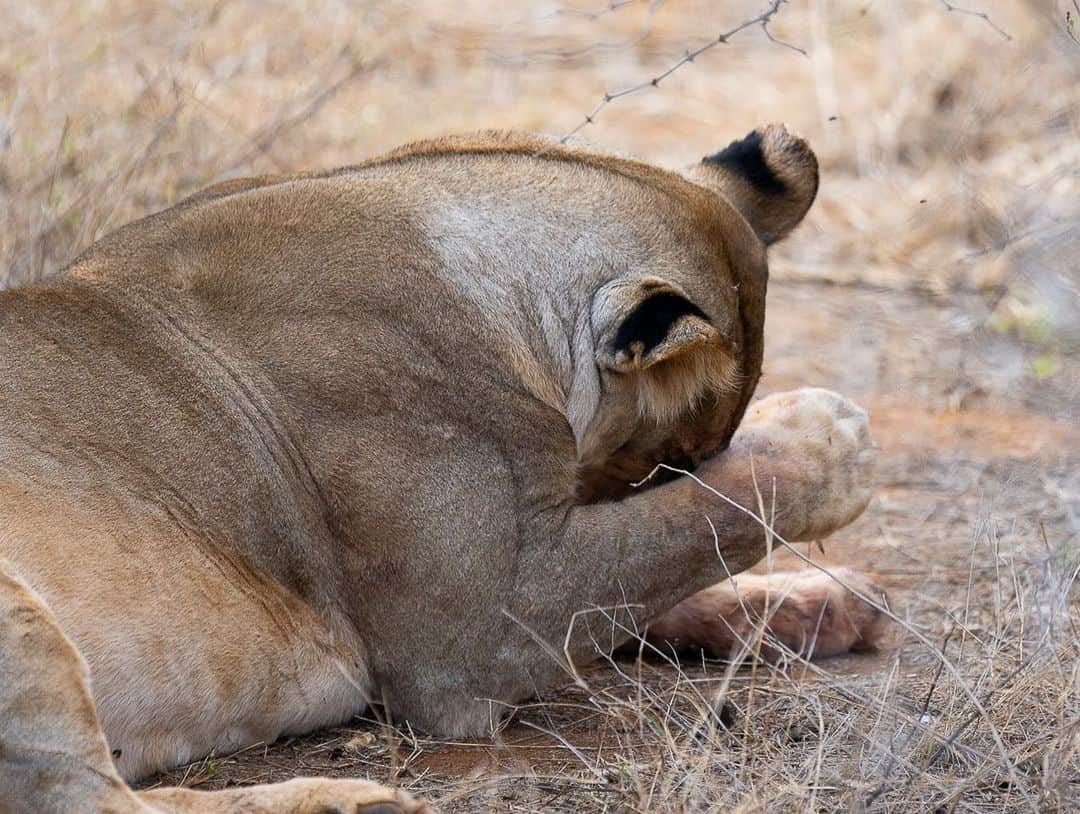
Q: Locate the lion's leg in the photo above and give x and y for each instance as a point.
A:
(805, 612)
(306, 795)
(53, 755)
(811, 450)
(586, 573)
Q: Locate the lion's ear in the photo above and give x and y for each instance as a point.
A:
(771, 177)
(645, 322)
(651, 329)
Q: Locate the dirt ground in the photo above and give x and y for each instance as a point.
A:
(937, 281)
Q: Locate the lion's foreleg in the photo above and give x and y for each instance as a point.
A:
(805, 457)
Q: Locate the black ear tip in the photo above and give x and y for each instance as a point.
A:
(772, 159)
(747, 157)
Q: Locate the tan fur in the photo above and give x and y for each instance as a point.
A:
(793, 164)
(666, 390)
(302, 441)
(55, 758)
(808, 613)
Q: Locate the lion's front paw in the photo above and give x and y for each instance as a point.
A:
(301, 795)
(818, 446)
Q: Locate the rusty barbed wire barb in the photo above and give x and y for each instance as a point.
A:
(980, 14)
(763, 19)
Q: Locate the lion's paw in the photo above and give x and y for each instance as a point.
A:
(302, 795)
(818, 445)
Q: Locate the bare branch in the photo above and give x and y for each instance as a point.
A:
(606, 45)
(980, 14)
(323, 93)
(1071, 22)
(597, 13)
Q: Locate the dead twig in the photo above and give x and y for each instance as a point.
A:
(262, 143)
(982, 15)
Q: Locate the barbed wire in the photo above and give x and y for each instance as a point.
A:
(763, 19)
(691, 54)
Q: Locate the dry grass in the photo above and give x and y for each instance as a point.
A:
(936, 279)
(796, 737)
(900, 733)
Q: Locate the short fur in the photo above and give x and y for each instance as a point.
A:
(302, 441)
(807, 613)
(771, 176)
(675, 386)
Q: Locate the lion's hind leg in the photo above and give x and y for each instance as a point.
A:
(53, 754)
(809, 613)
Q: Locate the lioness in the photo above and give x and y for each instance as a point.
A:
(301, 442)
